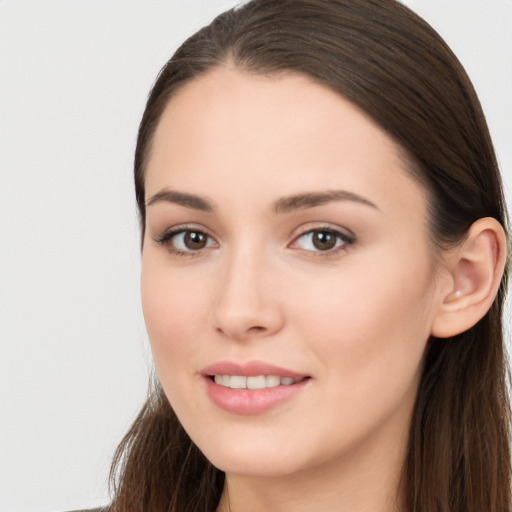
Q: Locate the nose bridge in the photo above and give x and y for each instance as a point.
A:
(246, 303)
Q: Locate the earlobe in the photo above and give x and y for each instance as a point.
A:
(476, 268)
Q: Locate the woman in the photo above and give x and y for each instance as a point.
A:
(324, 249)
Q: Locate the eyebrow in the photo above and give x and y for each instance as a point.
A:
(283, 205)
(181, 198)
(311, 199)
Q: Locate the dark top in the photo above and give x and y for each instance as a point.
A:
(101, 509)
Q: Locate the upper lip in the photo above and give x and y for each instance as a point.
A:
(249, 369)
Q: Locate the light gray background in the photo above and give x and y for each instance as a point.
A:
(74, 358)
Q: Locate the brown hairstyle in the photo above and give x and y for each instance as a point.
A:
(397, 69)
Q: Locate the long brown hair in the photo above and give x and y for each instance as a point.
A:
(397, 69)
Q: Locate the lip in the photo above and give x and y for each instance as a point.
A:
(251, 401)
(250, 369)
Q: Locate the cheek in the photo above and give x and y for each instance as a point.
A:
(368, 335)
(173, 316)
(373, 326)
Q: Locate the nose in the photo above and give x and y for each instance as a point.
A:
(247, 304)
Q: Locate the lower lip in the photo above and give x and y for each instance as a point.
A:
(251, 401)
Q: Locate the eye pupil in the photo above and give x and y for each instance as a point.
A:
(195, 240)
(324, 240)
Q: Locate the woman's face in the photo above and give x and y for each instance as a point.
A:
(285, 242)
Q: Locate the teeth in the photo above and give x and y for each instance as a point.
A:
(238, 382)
(223, 380)
(271, 381)
(257, 382)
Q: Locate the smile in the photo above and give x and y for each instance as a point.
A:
(254, 382)
(252, 388)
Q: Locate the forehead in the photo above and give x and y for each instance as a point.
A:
(289, 105)
(239, 129)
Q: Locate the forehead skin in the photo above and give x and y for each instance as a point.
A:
(226, 92)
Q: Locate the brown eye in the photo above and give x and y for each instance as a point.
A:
(186, 241)
(324, 240)
(195, 240)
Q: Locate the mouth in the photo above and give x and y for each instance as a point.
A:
(254, 381)
(252, 388)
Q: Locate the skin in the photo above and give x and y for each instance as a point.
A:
(355, 319)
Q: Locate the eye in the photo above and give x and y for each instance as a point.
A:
(186, 241)
(322, 240)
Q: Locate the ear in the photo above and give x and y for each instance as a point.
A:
(474, 271)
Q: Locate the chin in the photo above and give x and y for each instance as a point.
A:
(268, 467)
(256, 456)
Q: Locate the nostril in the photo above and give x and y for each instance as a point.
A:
(257, 328)
(240, 322)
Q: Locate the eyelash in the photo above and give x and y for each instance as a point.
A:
(344, 239)
(166, 237)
